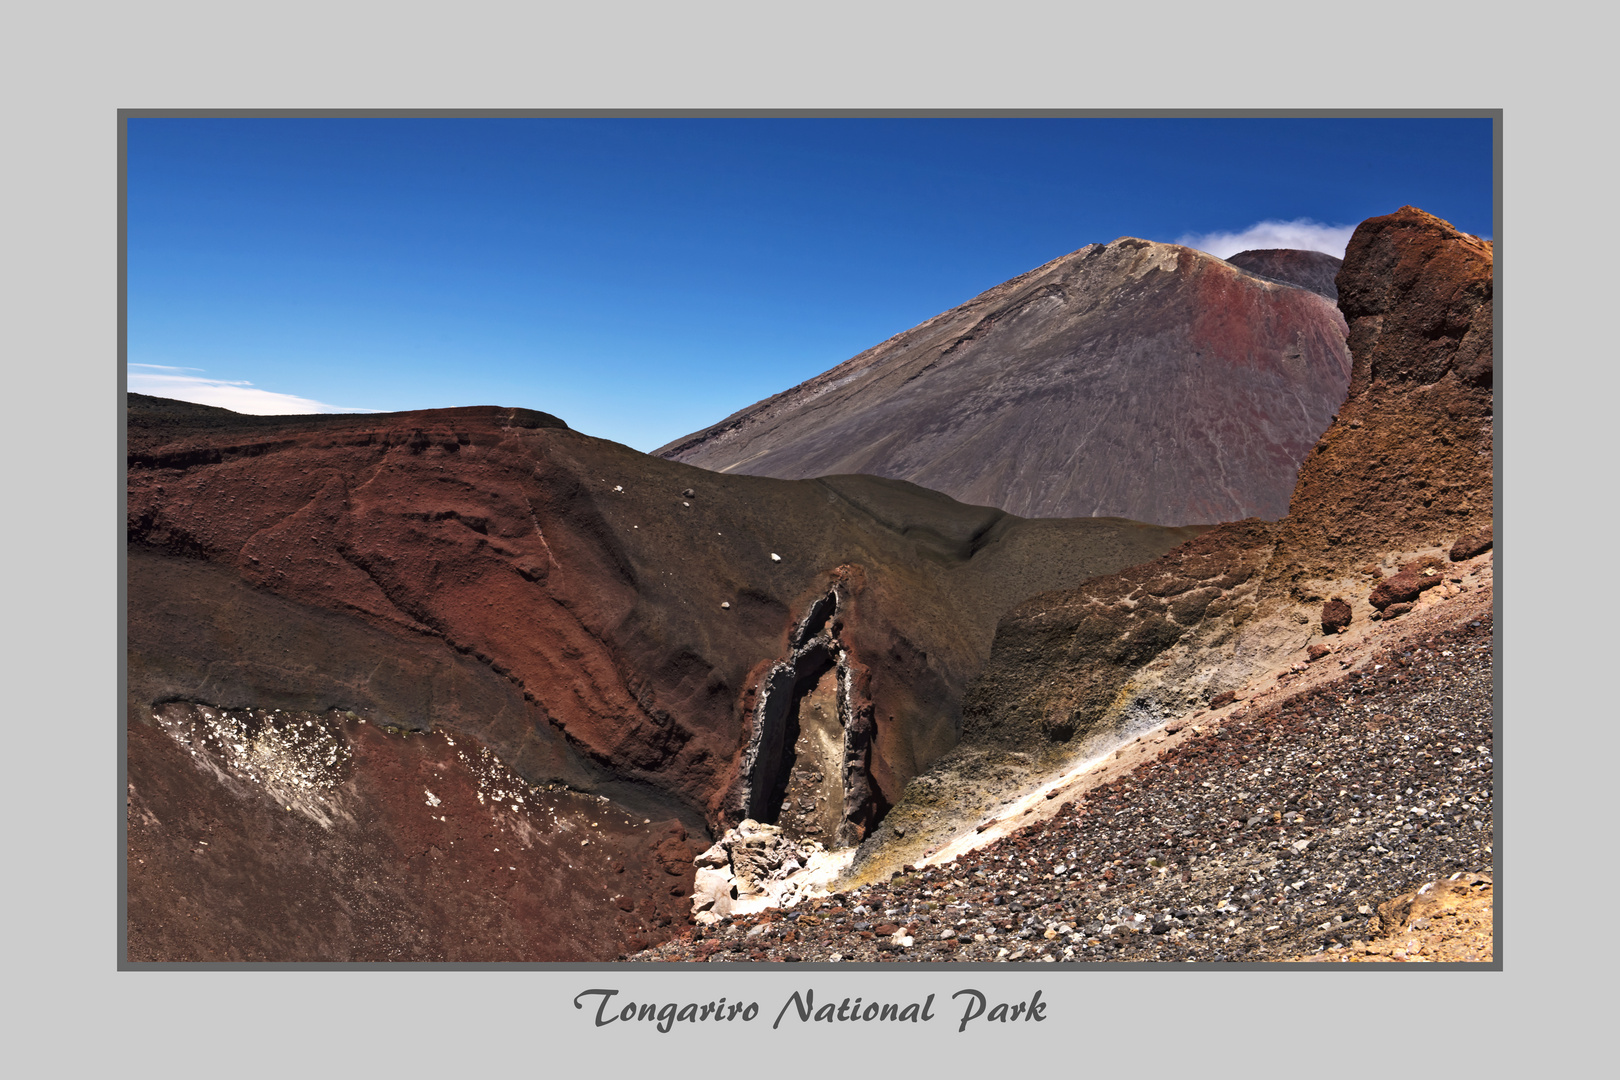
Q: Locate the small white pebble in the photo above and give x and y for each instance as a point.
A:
(775, 557)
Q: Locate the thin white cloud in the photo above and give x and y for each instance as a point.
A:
(237, 395)
(1301, 233)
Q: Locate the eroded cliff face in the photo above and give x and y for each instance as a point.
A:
(1135, 379)
(1401, 476)
(597, 619)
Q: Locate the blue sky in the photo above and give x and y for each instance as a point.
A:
(642, 278)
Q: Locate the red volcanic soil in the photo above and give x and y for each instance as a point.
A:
(1143, 380)
(596, 617)
(408, 847)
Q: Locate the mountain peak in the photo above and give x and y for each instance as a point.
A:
(1131, 379)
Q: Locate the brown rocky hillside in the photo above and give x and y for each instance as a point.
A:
(1264, 744)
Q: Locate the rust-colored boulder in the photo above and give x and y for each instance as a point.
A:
(1396, 589)
(1335, 616)
(1405, 585)
(1467, 547)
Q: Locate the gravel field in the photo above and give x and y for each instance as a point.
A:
(1268, 837)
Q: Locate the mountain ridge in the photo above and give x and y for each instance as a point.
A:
(1030, 395)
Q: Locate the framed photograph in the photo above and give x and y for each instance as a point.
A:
(797, 541)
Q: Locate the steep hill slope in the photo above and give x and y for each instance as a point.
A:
(1349, 820)
(1134, 379)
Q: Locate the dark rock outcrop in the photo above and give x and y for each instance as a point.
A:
(1135, 379)
(1409, 458)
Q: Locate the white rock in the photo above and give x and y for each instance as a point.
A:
(715, 856)
(711, 891)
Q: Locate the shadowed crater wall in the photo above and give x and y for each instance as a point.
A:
(598, 619)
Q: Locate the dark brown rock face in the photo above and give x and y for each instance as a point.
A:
(1469, 546)
(1406, 465)
(1409, 457)
(1133, 379)
(1405, 585)
(1335, 616)
(595, 617)
(1313, 270)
